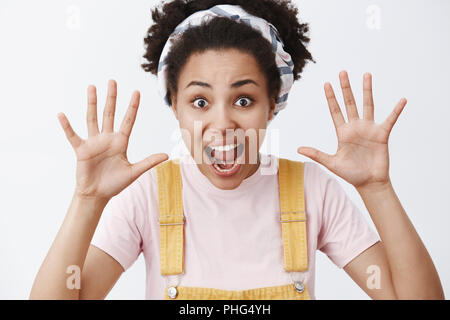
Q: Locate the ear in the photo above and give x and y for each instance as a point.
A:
(272, 109)
(174, 106)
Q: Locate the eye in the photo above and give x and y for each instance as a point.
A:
(245, 103)
(202, 102)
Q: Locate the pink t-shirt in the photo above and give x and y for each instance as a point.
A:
(232, 237)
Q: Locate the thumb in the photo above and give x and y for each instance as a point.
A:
(316, 155)
(139, 168)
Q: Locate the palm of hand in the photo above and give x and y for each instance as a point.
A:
(362, 153)
(103, 169)
(362, 157)
(102, 164)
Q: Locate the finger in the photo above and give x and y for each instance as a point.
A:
(130, 116)
(368, 108)
(335, 110)
(110, 107)
(91, 117)
(73, 138)
(349, 100)
(318, 156)
(388, 124)
(139, 168)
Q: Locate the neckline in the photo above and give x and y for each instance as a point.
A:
(191, 172)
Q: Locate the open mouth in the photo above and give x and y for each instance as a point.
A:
(224, 159)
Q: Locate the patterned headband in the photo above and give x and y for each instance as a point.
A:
(235, 12)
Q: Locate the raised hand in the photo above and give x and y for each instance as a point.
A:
(103, 169)
(362, 158)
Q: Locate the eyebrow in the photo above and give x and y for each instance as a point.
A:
(234, 85)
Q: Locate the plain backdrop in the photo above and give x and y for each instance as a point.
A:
(51, 50)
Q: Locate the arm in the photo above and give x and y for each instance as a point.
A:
(100, 273)
(413, 273)
(371, 272)
(362, 159)
(70, 247)
(103, 171)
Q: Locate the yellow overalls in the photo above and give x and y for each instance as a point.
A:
(293, 229)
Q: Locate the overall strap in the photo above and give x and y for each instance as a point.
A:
(171, 217)
(292, 215)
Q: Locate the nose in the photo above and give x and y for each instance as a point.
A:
(223, 118)
(222, 124)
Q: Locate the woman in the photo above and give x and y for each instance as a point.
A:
(228, 76)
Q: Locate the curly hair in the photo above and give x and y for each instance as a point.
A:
(223, 33)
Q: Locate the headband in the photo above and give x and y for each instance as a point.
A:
(234, 12)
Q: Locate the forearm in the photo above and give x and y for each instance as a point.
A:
(69, 248)
(413, 273)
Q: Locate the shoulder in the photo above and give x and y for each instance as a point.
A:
(323, 185)
(314, 176)
(138, 193)
(323, 192)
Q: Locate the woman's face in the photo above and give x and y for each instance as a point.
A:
(223, 109)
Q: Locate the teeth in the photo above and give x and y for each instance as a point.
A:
(224, 148)
(210, 150)
(224, 170)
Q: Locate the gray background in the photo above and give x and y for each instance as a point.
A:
(52, 50)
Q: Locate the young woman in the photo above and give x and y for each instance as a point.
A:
(226, 67)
